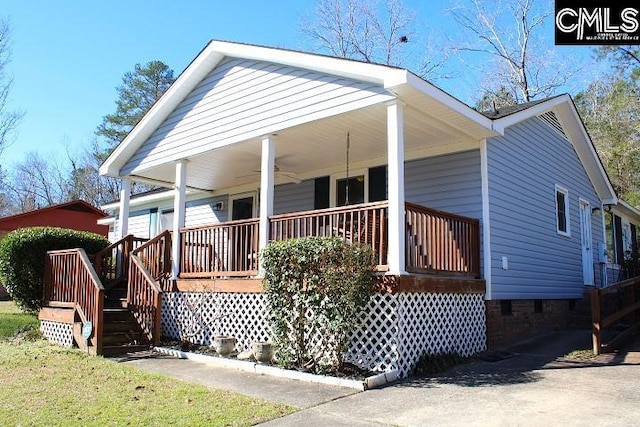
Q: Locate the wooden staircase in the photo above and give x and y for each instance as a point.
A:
(121, 332)
(113, 290)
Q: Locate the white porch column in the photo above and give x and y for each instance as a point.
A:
(267, 182)
(395, 155)
(125, 195)
(179, 203)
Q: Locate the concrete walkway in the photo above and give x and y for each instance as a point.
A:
(533, 386)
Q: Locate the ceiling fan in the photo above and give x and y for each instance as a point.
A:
(286, 176)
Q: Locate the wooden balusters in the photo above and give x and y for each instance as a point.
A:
(441, 242)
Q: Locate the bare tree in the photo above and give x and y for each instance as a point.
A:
(352, 29)
(37, 182)
(520, 63)
(8, 118)
(376, 31)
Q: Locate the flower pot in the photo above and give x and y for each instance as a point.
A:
(224, 345)
(262, 351)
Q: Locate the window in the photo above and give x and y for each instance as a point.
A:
(537, 306)
(166, 220)
(506, 309)
(350, 191)
(242, 207)
(611, 245)
(562, 211)
(153, 222)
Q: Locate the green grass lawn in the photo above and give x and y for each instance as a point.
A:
(12, 319)
(43, 384)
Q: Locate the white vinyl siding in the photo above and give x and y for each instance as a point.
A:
(242, 99)
(523, 168)
(139, 223)
(201, 212)
(450, 183)
(293, 197)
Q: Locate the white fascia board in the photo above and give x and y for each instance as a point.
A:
(189, 79)
(585, 146)
(448, 100)
(140, 200)
(568, 114)
(206, 61)
(156, 197)
(627, 210)
(356, 70)
(107, 221)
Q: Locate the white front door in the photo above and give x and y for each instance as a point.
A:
(586, 242)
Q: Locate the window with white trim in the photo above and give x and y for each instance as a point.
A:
(562, 211)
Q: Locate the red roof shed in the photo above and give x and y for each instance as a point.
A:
(76, 215)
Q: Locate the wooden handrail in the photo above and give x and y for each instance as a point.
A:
(159, 237)
(441, 242)
(364, 223)
(612, 304)
(155, 256)
(348, 208)
(144, 299)
(112, 262)
(71, 278)
(225, 249)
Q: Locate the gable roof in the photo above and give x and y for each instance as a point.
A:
(75, 205)
(512, 109)
(396, 81)
(573, 128)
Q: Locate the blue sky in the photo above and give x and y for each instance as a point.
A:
(69, 56)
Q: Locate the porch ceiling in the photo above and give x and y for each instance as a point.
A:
(313, 147)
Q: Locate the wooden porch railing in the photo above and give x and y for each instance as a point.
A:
(363, 223)
(112, 263)
(70, 278)
(226, 249)
(155, 257)
(441, 242)
(436, 242)
(144, 299)
(615, 306)
(149, 268)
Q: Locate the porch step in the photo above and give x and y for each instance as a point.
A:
(113, 350)
(123, 338)
(116, 298)
(119, 326)
(121, 333)
(114, 314)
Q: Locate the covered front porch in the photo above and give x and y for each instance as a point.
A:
(436, 242)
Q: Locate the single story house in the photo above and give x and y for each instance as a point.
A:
(487, 226)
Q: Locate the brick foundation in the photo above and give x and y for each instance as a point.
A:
(523, 321)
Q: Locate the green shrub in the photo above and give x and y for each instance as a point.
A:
(22, 259)
(314, 286)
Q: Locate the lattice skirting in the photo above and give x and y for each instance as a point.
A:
(60, 333)
(396, 329)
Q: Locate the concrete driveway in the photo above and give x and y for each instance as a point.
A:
(532, 386)
(535, 387)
